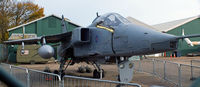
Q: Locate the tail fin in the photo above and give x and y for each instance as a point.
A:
(63, 24)
(187, 39)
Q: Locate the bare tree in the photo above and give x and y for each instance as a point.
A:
(14, 13)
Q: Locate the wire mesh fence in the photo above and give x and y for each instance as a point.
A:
(181, 75)
(147, 66)
(185, 75)
(43, 79)
(20, 73)
(159, 68)
(74, 81)
(6, 67)
(195, 72)
(137, 64)
(171, 72)
(195, 62)
(35, 78)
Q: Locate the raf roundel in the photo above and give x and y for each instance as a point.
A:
(96, 39)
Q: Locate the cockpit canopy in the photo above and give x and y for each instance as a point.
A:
(110, 20)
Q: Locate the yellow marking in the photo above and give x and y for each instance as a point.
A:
(108, 29)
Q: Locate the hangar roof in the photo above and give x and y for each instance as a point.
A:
(41, 19)
(164, 27)
(135, 21)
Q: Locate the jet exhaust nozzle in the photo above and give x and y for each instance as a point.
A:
(46, 51)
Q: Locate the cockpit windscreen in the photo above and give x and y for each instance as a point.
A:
(111, 19)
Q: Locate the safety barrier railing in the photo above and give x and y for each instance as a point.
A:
(195, 62)
(44, 79)
(21, 74)
(35, 78)
(181, 75)
(74, 81)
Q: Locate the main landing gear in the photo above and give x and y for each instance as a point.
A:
(61, 71)
(98, 72)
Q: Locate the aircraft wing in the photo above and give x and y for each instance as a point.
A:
(49, 39)
(188, 36)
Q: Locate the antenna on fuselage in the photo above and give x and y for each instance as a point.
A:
(97, 14)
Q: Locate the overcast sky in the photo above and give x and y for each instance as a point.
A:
(151, 12)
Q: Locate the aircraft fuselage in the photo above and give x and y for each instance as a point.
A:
(125, 40)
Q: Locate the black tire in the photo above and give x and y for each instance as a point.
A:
(118, 78)
(55, 72)
(96, 74)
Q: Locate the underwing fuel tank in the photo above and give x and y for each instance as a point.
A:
(46, 51)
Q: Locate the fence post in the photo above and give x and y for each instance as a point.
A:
(154, 67)
(164, 70)
(179, 75)
(61, 81)
(140, 68)
(10, 66)
(28, 78)
(191, 66)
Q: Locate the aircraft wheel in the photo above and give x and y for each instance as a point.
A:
(55, 72)
(96, 74)
(118, 78)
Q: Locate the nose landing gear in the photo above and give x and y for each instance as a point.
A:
(125, 68)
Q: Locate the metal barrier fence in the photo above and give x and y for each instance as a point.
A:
(195, 62)
(158, 68)
(194, 70)
(185, 75)
(74, 81)
(35, 78)
(21, 74)
(43, 79)
(179, 74)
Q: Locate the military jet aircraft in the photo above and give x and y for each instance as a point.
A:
(109, 36)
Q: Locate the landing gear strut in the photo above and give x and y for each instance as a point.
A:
(98, 72)
(61, 71)
(125, 69)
